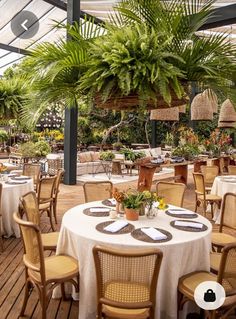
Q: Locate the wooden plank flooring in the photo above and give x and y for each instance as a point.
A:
(12, 270)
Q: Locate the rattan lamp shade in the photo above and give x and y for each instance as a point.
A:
(201, 109)
(227, 112)
(182, 108)
(227, 124)
(167, 114)
(213, 100)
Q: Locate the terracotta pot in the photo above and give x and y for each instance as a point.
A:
(131, 214)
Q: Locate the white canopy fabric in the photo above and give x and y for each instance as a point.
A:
(47, 15)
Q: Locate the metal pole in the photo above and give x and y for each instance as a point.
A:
(154, 133)
(71, 114)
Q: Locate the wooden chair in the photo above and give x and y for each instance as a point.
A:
(31, 209)
(173, 193)
(34, 171)
(226, 277)
(97, 191)
(228, 219)
(202, 197)
(126, 282)
(232, 169)
(60, 173)
(44, 272)
(1, 235)
(209, 173)
(45, 196)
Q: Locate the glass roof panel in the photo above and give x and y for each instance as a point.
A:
(47, 12)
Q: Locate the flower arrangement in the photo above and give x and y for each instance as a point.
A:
(150, 198)
(187, 136)
(3, 168)
(217, 142)
(133, 199)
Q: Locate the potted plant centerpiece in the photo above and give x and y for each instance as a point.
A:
(107, 156)
(132, 201)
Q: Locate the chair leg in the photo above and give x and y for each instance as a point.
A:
(63, 294)
(204, 208)
(212, 209)
(26, 296)
(54, 207)
(50, 218)
(43, 302)
(1, 239)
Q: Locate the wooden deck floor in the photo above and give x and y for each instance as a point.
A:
(12, 269)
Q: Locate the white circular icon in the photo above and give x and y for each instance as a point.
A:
(209, 295)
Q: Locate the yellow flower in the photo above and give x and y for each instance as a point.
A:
(147, 194)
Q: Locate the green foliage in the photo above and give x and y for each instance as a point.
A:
(42, 148)
(3, 136)
(132, 59)
(107, 156)
(133, 199)
(187, 151)
(27, 149)
(131, 155)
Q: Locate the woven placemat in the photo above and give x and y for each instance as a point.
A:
(86, 211)
(125, 230)
(106, 202)
(139, 235)
(190, 229)
(193, 215)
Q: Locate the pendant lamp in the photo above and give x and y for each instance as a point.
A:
(167, 114)
(201, 109)
(227, 124)
(213, 100)
(227, 112)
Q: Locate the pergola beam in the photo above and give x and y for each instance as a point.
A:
(13, 49)
(63, 6)
(220, 17)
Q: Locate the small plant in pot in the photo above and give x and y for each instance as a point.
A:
(117, 146)
(132, 201)
(107, 156)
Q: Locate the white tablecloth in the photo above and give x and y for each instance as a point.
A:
(221, 186)
(10, 202)
(186, 252)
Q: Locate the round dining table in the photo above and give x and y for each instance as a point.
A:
(184, 253)
(11, 193)
(222, 185)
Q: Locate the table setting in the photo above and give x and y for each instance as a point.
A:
(13, 188)
(185, 243)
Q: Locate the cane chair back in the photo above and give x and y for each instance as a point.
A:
(60, 173)
(173, 193)
(32, 170)
(1, 239)
(209, 173)
(199, 183)
(126, 280)
(232, 169)
(97, 191)
(30, 207)
(228, 217)
(33, 249)
(46, 189)
(227, 271)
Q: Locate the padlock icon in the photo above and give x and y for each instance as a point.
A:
(209, 296)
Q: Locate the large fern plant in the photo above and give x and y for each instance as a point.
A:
(132, 59)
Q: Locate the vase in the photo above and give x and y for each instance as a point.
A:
(151, 212)
(131, 214)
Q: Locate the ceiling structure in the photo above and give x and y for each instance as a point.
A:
(13, 47)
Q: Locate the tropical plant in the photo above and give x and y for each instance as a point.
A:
(187, 151)
(107, 156)
(204, 59)
(131, 155)
(132, 60)
(27, 149)
(42, 148)
(133, 199)
(3, 136)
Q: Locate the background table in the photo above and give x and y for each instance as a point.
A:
(10, 201)
(186, 252)
(220, 187)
